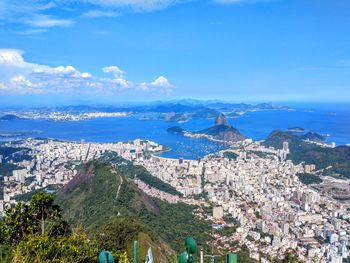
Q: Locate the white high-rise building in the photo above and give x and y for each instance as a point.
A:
(218, 212)
(20, 175)
(286, 147)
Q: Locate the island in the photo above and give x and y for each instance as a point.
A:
(9, 117)
(221, 131)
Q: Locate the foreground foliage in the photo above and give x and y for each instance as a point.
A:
(75, 247)
(36, 233)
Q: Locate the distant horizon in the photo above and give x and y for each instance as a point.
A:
(193, 101)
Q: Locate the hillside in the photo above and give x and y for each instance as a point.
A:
(313, 136)
(100, 194)
(338, 158)
(222, 130)
(8, 156)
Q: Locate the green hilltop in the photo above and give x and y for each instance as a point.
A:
(102, 193)
(335, 161)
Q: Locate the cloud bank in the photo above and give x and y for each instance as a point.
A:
(20, 76)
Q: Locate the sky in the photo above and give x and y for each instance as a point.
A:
(57, 52)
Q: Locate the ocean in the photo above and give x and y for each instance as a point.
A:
(332, 120)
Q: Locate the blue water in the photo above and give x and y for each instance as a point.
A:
(256, 125)
(120, 129)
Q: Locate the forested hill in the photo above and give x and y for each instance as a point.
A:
(102, 193)
(336, 159)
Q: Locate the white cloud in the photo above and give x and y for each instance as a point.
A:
(161, 82)
(45, 21)
(32, 14)
(14, 58)
(117, 72)
(36, 14)
(101, 14)
(31, 31)
(86, 75)
(18, 84)
(136, 5)
(123, 83)
(25, 77)
(12, 63)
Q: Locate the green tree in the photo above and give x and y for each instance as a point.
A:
(118, 234)
(43, 209)
(75, 247)
(17, 223)
(290, 257)
(23, 224)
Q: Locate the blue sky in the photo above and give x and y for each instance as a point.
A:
(105, 51)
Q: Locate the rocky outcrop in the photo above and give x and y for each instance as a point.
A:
(223, 131)
(221, 120)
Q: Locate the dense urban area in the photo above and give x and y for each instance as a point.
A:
(253, 191)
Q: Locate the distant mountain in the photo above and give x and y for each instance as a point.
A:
(222, 130)
(335, 161)
(186, 108)
(176, 130)
(313, 136)
(276, 137)
(9, 117)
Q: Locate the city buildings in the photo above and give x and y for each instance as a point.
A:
(258, 193)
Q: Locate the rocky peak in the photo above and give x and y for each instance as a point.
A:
(221, 120)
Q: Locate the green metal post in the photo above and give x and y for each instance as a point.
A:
(135, 251)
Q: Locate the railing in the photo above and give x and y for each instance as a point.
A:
(185, 257)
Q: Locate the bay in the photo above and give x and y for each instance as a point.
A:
(332, 120)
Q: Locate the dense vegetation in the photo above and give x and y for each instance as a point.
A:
(223, 132)
(7, 168)
(37, 233)
(336, 160)
(13, 153)
(92, 200)
(307, 178)
(9, 155)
